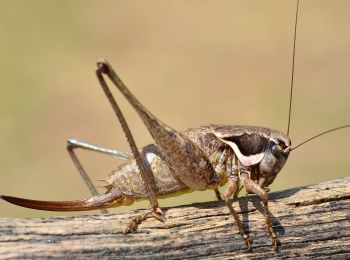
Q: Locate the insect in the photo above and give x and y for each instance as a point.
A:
(195, 159)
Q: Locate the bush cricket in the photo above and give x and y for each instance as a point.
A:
(194, 159)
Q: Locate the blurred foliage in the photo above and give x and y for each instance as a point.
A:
(190, 62)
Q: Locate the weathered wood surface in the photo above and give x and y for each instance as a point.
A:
(312, 221)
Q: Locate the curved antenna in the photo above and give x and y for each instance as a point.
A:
(323, 133)
(292, 79)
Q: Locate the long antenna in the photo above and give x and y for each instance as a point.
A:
(292, 79)
(325, 132)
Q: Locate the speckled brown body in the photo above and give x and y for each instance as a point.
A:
(223, 160)
(127, 177)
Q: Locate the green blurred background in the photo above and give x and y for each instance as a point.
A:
(190, 62)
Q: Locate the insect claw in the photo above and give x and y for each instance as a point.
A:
(158, 217)
(275, 243)
(250, 249)
(134, 223)
(158, 214)
(248, 241)
(128, 230)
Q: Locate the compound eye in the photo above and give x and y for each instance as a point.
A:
(277, 151)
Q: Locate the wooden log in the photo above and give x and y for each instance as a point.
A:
(311, 221)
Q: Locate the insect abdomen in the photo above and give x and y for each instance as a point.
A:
(128, 181)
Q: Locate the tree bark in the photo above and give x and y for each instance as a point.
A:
(311, 221)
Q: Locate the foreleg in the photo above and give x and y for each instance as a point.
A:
(253, 187)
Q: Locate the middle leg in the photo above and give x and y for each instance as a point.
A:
(231, 190)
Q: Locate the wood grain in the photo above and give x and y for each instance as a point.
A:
(311, 221)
